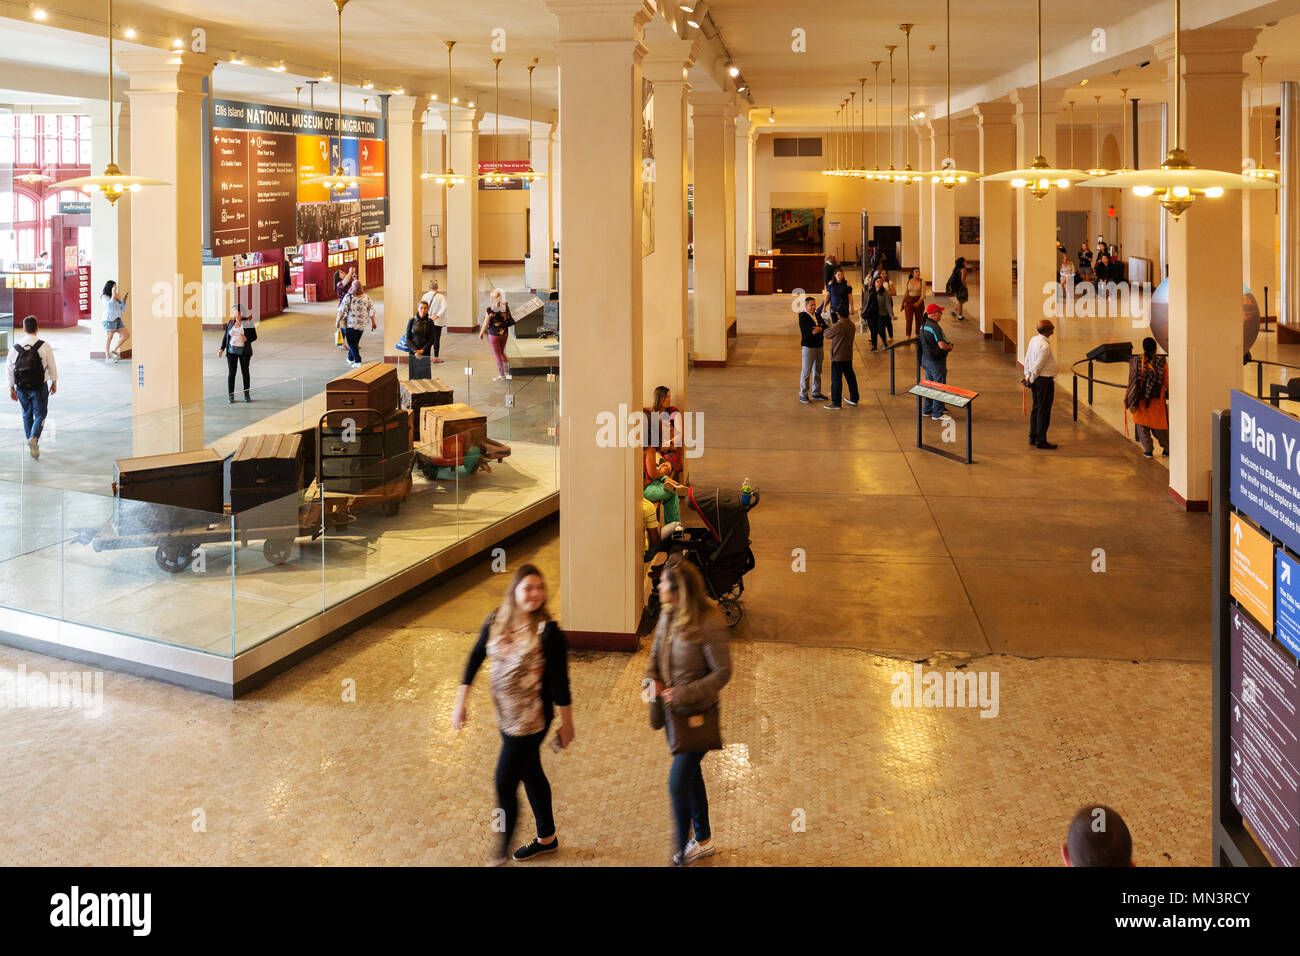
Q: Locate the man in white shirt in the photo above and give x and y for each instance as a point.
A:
(32, 380)
(1040, 379)
(438, 312)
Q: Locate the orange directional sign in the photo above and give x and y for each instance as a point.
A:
(1250, 571)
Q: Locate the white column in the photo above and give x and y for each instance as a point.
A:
(1035, 218)
(710, 226)
(924, 246)
(1205, 340)
(997, 153)
(943, 211)
(539, 210)
(403, 265)
(600, 55)
(166, 96)
(744, 162)
(462, 222)
(729, 252)
(110, 225)
(665, 337)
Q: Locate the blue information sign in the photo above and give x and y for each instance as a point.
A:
(1286, 618)
(1265, 467)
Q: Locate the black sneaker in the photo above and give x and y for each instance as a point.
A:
(819, 397)
(849, 401)
(833, 407)
(1047, 445)
(536, 848)
(803, 399)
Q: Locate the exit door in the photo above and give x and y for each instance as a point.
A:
(888, 239)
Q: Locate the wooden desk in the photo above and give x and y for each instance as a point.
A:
(789, 272)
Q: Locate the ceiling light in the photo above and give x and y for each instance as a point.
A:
(38, 13)
(741, 88)
(433, 96)
(771, 116)
(129, 33)
(448, 177)
(177, 43)
(1176, 182)
(1259, 171)
(367, 85)
(1040, 178)
(688, 7)
(236, 58)
(469, 105)
(327, 78)
(733, 70)
(339, 181)
(400, 91)
(1083, 82)
(112, 184)
(279, 67)
(696, 15)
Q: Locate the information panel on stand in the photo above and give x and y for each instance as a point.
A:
(1263, 694)
(261, 158)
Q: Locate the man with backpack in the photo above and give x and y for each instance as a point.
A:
(1146, 397)
(32, 380)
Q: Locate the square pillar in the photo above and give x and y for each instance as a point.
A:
(997, 133)
(600, 101)
(923, 249)
(461, 242)
(943, 227)
(740, 238)
(539, 210)
(110, 225)
(166, 96)
(665, 332)
(710, 226)
(403, 265)
(1205, 338)
(729, 253)
(1036, 268)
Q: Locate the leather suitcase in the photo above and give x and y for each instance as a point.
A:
(379, 453)
(265, 468)
(191, 480)
(307, 437)
(420, 393)
(373, 385)
(440, 422)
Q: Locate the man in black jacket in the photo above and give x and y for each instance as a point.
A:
(811, 327)
(419, 338)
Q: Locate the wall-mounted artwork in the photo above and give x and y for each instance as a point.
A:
(798, 230)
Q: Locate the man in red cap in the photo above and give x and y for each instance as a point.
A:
(934, 347)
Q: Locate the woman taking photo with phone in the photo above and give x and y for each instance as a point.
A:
(237, 346)
(530, 678)
(689, 664)
(114, 306)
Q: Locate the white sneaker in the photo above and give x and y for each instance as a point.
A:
(34, 447)
(695, 851)
(499, 378)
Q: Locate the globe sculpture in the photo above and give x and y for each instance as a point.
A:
(1160, 317)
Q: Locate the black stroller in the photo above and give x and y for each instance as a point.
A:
(720, 549)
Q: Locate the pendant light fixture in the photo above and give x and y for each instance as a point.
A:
(1123, 132)
(494, 176)
(1097, 168)
(906, 176)
(852, 169)
(1039, 178)
(948, 175)
(875, 173)
(1260, 170)
(1072, 134)
(338, 181)
(1176, 182)
(111, 184)
(890, 173)
(449, 177)
(529, 174)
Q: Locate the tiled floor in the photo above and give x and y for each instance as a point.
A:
(1103, 685)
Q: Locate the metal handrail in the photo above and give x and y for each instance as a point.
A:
(1074, 382)
(1259, 373)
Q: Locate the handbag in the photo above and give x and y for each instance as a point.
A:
(693, 733)
(401, 345)
(338, 337)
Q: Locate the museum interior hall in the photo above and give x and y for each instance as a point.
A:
(667, 356)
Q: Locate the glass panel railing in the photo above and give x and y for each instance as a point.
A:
(31, 548)
(148, 570)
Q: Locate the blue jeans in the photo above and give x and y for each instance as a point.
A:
(690, 801)
(353, 338)
(935, 372)
(35, 402)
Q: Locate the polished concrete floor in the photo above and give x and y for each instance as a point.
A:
(1104, 688)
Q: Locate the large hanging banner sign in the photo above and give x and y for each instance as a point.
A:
(261, 158)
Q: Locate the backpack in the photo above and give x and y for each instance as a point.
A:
(1145, 381)
(29, 370)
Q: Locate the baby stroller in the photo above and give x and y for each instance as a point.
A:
(720, 549)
